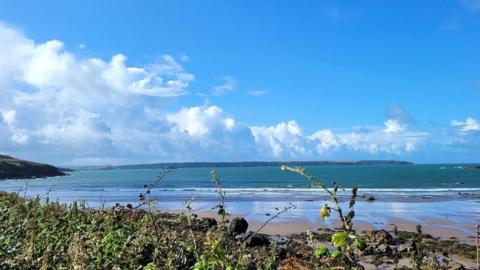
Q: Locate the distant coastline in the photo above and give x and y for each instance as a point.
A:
(179, 165)
(14, 168)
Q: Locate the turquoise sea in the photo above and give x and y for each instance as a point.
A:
(439, 191)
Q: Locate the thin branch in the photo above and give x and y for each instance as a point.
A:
(270, 219)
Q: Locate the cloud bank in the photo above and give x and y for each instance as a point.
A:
(59, 107)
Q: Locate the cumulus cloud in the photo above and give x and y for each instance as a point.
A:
(392, 138)
(198, 121)
(326, 140)
(470, 124)
(9, 117)
(288, 140)
(394, 126)
(281, 140)
(227, 86)
(18, 135)
(64, 108)
(48, 66)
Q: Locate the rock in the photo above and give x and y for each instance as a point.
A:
(257, 240)
(211, 222)
(369, 198)
(238, 226)
(385, 249)
(406, 248)
(281, 253)
(380, 237)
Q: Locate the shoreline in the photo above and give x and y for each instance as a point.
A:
(441, 216)
(441, 229)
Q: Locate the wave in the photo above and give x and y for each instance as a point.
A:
(306, 191)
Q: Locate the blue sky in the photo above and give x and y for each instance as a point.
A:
(123, 82)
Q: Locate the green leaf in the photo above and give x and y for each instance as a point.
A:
(340, 239)
(150, 266)
(335, 254)
(201, 265)
(320, 251)
(360, 244)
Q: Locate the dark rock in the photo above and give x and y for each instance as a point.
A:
(369, 198)
(281, 253)
(380, 237)
(257, 240)
(210, 222)
(384, 249)
(238, 226)
(407, 247)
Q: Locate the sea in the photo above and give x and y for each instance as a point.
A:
(413, 192)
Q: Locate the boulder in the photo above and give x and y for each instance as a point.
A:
(210, 222)
(257, 240)
(238, 226)
(380, 237)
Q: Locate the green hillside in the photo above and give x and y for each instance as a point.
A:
(13, 168)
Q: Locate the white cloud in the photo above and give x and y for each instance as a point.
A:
(49, 66)
(18, 135)
(326, 140)
(282, 140)
(258, 93)
(287, 140)
(70, 109)
(198, 121)
(9, 117)
(470, 124)
(228, 85)
(394, 126)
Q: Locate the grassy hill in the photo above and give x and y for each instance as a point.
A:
(13, 168)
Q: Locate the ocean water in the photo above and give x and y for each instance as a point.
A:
(402, 191)
(253, 183)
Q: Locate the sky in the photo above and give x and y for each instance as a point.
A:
(122, 82)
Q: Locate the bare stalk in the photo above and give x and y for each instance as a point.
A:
(218, 189)
(316, 183)
(292, 206)
(189, 208)
(478, 246)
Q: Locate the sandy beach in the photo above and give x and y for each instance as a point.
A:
(444, 219)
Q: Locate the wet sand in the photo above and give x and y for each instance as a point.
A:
(442, 228)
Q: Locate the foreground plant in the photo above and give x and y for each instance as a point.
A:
(345, 239)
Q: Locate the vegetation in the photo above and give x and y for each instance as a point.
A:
(38, 234)
(13, 168)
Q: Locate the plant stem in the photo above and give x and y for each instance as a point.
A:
(314, 182)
